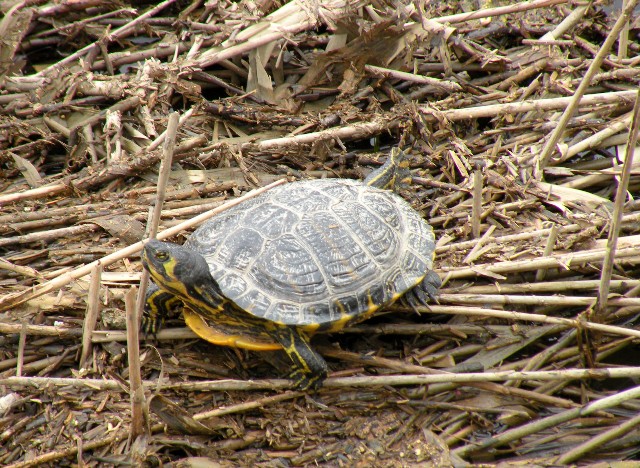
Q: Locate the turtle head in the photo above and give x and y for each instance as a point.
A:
(178, 270)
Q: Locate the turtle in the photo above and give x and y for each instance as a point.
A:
(305, 257)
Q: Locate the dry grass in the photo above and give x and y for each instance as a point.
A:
(517, 119)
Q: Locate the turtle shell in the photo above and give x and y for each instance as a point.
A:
(317, 254)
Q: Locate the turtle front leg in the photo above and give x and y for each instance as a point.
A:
(159, 305)
(310, 369)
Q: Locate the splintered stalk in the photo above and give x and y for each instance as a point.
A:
(621, 195)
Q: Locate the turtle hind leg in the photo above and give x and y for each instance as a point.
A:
(425, 291)
(430, 285)
(394, 174)
(310, 369)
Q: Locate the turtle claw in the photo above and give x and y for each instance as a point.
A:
(151, 323)
(430, 285)
(411, 300)
(424, 292)
(421, 295)
(159, 304)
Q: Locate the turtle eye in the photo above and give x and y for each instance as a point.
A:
(162, 256)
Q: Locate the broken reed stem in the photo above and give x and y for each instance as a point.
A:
(91, 315)
(550, 145)
(135, 309)
(548, 250)
(623, 40)
(260, 403)
(597, 441)
(542, 301)
(492, 110)
(22, 340)
(476, 210)
(508, 238)
(549, 286)
(511, 315)
(555, 261)
(39, 192)
(498, 11)
(613, 128)
(136, 390)
(247, 406)
(621, 195)
(477, 249)
(50, 457)
(289, 19)
(50, 235)
(41, 330)
(566, 24)
(12, 300)
(335, 382)
(185, 333)
(449, 86)
(550, 421)
(349, 132)
(161, 190)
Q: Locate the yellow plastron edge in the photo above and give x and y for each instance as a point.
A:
(206, 332)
